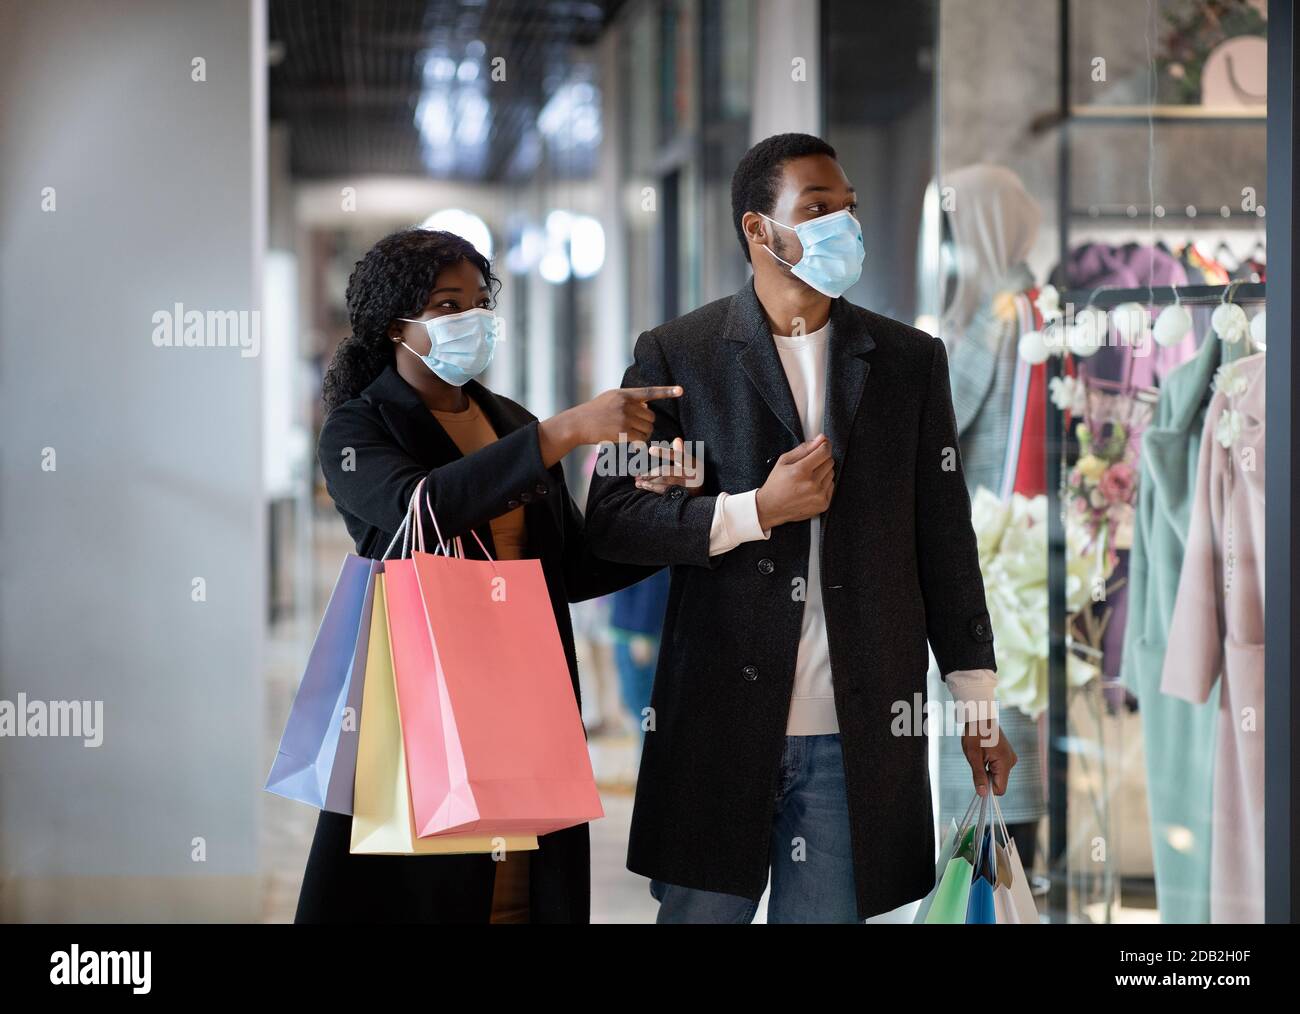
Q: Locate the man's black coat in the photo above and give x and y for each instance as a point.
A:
(899, 565)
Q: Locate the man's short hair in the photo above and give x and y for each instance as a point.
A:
(758, 175)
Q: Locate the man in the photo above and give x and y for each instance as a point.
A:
(830, 539)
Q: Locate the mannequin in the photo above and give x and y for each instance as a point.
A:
(989, 223)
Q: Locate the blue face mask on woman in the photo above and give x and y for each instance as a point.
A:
(832, 252)
(460, 344)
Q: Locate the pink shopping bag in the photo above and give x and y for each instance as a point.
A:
(494, 740)
(517, 754)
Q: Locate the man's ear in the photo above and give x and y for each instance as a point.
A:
(755, 227)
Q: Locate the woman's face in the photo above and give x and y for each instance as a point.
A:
(458, 288)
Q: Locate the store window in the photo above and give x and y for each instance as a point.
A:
(1093, 254)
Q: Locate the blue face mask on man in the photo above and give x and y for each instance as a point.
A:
(832, 252)
(460, 344)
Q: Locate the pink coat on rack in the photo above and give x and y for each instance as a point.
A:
(1217, 632)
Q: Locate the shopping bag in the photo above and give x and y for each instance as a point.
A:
(979, 909)
(1004, 906)
(953, 837)
(952, 898)
(952, 895)
(494, 740)
(1021, 895)
(305, 764)
(946, 849)
(338, 799)
(517, 753)
(382, 820)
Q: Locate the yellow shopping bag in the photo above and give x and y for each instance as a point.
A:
(382, 820)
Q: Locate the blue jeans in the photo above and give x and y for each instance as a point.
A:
(811, 857)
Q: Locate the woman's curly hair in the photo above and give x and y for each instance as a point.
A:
(394, 279)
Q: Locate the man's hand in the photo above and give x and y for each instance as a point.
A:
(672, 468)
(989, 754)
(800, 485)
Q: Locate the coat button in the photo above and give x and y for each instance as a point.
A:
(526, 496)
(512, 504)
(979, 630)
(542, 489)
(766, 566)
(675, 493)
(750, 673)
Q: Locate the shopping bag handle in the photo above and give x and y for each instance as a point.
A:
(997, 811)
(405, 529)
(970, 810)
(460, 546)
(979, 836)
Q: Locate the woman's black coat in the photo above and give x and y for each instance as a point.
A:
(373, 451)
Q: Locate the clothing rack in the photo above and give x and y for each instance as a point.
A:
(1105, 298)
(1061, 446)
(1143, 212)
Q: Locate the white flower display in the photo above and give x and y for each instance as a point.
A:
(1012, 540)
(1068, 394)
(1228, 428)
(1048, 302)
(1229, 380)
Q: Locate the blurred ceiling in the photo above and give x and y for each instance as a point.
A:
(407, 86)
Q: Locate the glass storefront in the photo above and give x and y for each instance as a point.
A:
(1097, 222)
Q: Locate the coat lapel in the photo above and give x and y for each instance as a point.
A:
(846, 375)
(747, 325)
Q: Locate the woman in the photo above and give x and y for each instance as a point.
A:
(403, 405)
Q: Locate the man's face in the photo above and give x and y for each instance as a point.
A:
(811, 187)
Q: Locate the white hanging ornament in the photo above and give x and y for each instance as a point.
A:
(1133, 324)
(1081, 340)
(1229, 322)
(1033, 347)
(1258, 332)
(1172, 325)
(1091, 329)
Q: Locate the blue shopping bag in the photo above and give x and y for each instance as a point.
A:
(979, 908)
(317, 758)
